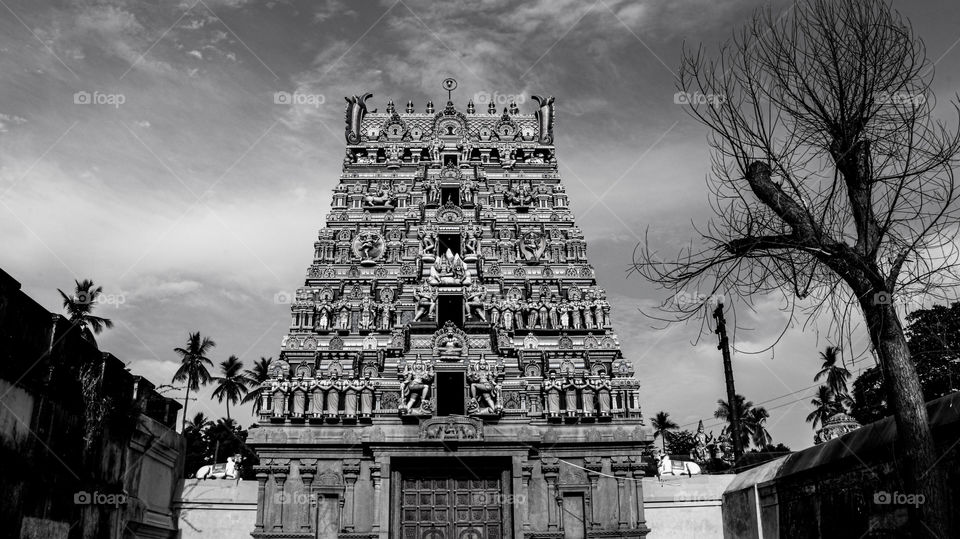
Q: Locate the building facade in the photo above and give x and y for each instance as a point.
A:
(451, 370)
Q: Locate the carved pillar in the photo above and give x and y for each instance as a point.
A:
(375, 479)
(526, 472)
(550, 469)
(263, 472)
(279, 477)
(351, 471)
(307, 472)
(638, 496)
(620, 466)
(594, 465)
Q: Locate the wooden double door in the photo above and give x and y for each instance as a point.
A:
(453, 499)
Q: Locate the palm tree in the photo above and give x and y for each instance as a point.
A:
(836, 375)
(755, 419)
(79, 307)
(824, 406)
(231, 385)
(255, 378)
(662, 425)
(743, 407)
(199, 422)
(193, 366)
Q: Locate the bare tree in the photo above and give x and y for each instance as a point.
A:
(832, 184)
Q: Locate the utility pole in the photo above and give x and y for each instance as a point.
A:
(724, 347)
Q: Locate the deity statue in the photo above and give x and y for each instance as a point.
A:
(518, 196)
(603, 393)
(543, 318)
(473, 301)
(299, 397)
(323, 316)
(366, 396)
(551, 388)
(448, 344)
(570, 393)
(426, 300)
(588, 320)
(350, 390)
(435, 147)
(416, 383)
(563, 310)
(385, 318)
(532, 314)
(507, 315)
(493, 306)
(367, 313)
(331, 406)
(380, 196)
(369, 246)
(279, 389)
(343, 308)
(532, 246)
(428, 245)
(468, 192)
(700, 453)
(484, 389)
(576, 313)
(449, 270)
(552, 316)
(586, 397)
(316, 398)
(471, 244)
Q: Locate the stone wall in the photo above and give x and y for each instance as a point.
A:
(685, 506)
(845, 487)
(216, 508)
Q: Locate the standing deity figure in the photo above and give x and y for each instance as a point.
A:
(507, 316)
(350, 390)
(468, 191)
(473, 301)
(416, 383)
(435, 147)
(316, 397)
(532, 314)
(366, 396)
(484, 389)
(576, 312)
(471, 244)
(605, 311)
(323, 316)
(552, 312)
(570, 393)
(563, 310)
(552, 388)
(343, 321)
(544, 315)
(603, 393)
(493, 306)
(586, 397)
(279, 389)
(426, 302)
(331, 388)
(588, 320)
(367, 313)
(700, 453)
(299, 397)
(386, 310)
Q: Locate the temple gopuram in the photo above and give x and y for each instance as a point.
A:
(451, 369)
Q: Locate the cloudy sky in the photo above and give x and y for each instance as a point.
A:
(140, 146)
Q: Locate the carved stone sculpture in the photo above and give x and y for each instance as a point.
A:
(417, 381)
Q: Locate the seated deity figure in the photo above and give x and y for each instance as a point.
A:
(474, 304)
(379, 196)
(416, 383)
(603, 393)
(551, 388)
(570, 389)
(484, 390)
(449, 270)
(426, 302)
(448, 345)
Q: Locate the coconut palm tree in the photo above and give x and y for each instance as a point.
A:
(193, 366)
(662, 425)
(836, 375)
(199, 422)
(755, 420)
(824, 406)
(743, 406)
(255, 378)
(231, 384)
(79, 309)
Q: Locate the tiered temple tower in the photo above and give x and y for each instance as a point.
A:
(451, 370)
